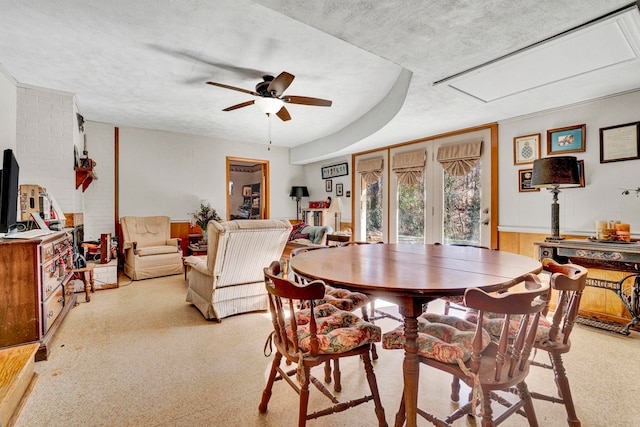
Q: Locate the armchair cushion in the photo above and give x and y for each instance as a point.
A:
(155, 250)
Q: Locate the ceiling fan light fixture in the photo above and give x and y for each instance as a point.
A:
(269, 105)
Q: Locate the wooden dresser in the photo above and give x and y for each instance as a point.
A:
(34, 295)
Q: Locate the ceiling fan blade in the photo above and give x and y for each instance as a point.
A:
(280, 83)
(250, 92)
(235, 107)
(305, 100)
(283, 114)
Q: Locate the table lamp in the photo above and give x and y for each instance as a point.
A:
(336, 208)
(298, 193)
(555, 173)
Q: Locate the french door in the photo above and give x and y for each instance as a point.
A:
(440, 207)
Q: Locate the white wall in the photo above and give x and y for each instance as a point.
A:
(165, 173)
(601, 198)
(8, 96)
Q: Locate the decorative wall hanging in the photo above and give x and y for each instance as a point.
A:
(570, 139)
(621, 142)
(526, 149)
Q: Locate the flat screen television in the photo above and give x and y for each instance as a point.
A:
(8, 192)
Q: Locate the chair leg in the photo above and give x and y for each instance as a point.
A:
(455, 389)
(562, 383)
(327, 371)
(524, 394)
(337, 385)
(304, 398)
(487, 412)
(266, 394)
(401, 414)
(373, 386)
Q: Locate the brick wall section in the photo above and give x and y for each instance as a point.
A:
(45, 132)
(99, 198)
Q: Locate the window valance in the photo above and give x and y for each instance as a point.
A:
(409, 167)
(459, 159)
(370, 169)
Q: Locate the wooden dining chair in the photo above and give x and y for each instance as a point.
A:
(309, 337)
(569, 280)
(339, 298)
(466, 351)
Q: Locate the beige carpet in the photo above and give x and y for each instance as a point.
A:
(140, 356)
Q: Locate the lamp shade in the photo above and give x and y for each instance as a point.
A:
(299, 192)
(336, 205)
(269, 105)
(561, 171)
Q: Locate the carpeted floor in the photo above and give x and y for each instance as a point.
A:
(140, 355)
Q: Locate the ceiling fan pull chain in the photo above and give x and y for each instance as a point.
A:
(269, 119)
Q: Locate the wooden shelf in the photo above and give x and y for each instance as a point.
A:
(84, 177)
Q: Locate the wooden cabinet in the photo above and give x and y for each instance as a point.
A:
(318, 217)
(34, 295)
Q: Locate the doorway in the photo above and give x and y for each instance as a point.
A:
(247, 188)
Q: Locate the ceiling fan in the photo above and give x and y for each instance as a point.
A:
(270, 96)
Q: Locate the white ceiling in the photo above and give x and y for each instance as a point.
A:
(144, 63)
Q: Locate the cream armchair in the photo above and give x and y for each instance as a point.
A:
(230, 279)
(149, 250)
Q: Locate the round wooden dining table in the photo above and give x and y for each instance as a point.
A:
(410, 276)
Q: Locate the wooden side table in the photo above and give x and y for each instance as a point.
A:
(196, 250)
(86, 275)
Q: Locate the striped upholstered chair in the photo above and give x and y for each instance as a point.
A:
(230, 279)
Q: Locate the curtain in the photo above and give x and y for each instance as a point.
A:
(409, 167)
(459, 159)
(370, 169)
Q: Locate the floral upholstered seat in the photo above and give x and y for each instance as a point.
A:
(447, 339)
(313, 336)
(338, 331)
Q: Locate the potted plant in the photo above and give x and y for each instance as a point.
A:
(202, 216)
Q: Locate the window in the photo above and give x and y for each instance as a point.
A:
(461, 208)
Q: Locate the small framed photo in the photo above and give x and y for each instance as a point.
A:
(526, 149)
(566, 140)
(581, 169)
(246, 191)
(338, 189)
(621, 142)
(524, 181)
(328, 186)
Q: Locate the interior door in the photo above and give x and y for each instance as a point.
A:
(247, 188)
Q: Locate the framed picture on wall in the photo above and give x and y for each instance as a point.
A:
(338, 189)
(524, 181)
(526, 149)
(621, 142)
(328, 186)
(246, 191)
(335, 171)
(570, 139)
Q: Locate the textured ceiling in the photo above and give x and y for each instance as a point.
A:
(145, 63)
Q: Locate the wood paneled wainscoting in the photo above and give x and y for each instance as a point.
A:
(596, 302)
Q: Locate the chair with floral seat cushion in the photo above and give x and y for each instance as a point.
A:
(568, 281)
(309, 337)
(467, 351)
(340, 298)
